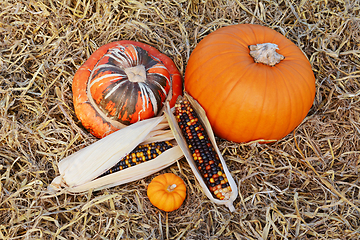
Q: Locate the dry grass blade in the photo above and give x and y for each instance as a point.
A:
(306, 186)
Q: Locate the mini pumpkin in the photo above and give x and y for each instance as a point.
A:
(121, 83)
(253, 82)
(167, 192)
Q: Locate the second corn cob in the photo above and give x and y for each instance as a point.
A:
(203, 153)
(80, 171)
(193, 133)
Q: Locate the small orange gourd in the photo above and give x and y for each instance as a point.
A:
(253, 82)
(167, 192)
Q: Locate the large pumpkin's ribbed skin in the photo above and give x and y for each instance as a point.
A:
(105, 98)
(160, 196)
(247, 101)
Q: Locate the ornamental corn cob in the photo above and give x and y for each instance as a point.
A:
(140, 154)
(203, 153)
(80, 171)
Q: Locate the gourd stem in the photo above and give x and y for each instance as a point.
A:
(171, 188)
(266, 53)
(136, 74)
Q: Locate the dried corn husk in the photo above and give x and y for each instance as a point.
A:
(79, 172)
(184, 146)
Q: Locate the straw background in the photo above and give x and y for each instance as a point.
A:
(305, 186)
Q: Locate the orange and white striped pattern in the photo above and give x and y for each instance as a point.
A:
(117, 96)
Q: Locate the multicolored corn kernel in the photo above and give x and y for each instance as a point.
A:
(202, 150)
(140, 154)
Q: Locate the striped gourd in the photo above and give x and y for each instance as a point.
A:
(121, 83)
(193, 133)
(128, 70)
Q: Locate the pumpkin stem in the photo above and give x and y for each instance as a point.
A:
(266, 53)
(171, 188)
(136, 74)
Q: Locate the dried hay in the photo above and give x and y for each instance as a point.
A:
(305, 186)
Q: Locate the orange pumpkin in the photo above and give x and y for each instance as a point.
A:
(254, 83)
(167, 192)
(121, 83)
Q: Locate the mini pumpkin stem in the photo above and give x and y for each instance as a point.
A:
(266, 53)
(171, 188)
(136, 74)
